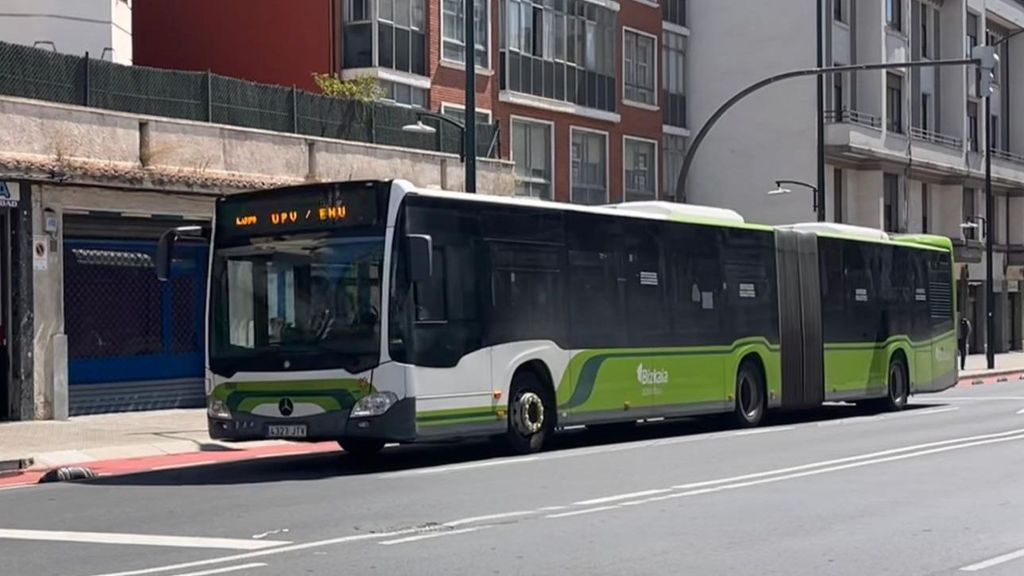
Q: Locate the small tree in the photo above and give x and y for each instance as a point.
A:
(361, 89)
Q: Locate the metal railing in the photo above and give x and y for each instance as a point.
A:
(846, 116)
(201, 96)
(936, 138)
(1007, 155)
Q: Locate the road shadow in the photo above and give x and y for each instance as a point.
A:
(404, 458)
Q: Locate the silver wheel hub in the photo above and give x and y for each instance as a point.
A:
(528, 414)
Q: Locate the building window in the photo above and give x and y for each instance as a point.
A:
(926, 107)
(673, 78)
(839, 10)
(894, 14)
(589, 167)
(894, 102)
(892, 202)
(972, 126)
(967, 213)
(531, 152)
(838, 91)
(404, 94)
(925, 208)
(453, 28)
(673, 152)
(458, 113)
(972, 31)
(995, 140)
(925, 29)
(562, 51)
(674, 11)
(640, 169)
(401, 37)
(638, 65)
(837, 195)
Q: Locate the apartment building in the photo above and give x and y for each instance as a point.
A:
(590, 95)
(101, 28)
(904, 148)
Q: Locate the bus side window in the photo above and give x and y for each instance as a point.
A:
(696, 306)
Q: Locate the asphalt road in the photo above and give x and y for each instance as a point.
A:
(937, 489)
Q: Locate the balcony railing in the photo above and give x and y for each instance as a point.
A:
(1007, 155)
(936, 138)
(845, 116)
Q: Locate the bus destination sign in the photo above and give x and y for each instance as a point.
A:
(301, 210)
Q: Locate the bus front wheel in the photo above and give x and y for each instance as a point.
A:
(750, 396)
(531, 415)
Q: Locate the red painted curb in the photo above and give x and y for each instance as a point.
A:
(125, 466)
(993, 379)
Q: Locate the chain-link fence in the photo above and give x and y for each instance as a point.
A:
(43, 75)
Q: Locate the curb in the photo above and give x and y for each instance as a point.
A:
(996, 377)
(138, 465)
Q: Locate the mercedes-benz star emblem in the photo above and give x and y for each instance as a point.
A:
(285, 406)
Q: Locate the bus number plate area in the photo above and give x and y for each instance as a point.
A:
(286, 431)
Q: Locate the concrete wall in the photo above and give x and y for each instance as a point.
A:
(771, 134)
(129, 146)
(103, 28)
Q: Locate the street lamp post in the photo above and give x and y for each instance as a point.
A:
(819, 191)
(717, 115)
(469, 130)
(990, 292)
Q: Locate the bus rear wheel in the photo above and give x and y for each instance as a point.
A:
(898, 386)
(361, 447)
(751, 402)
(531, 415)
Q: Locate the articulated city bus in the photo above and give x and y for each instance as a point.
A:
(371, 312)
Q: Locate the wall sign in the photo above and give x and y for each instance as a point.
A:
(10, 194)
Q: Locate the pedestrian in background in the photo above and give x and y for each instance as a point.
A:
(964, 337)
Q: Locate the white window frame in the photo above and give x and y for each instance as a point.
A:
(656, 46)
(489, 69)
(657, 152)
(607, 161)
(445, 106)
(511, 148)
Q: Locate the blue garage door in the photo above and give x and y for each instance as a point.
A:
(134, 343)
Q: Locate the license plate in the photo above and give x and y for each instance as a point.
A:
(286, 431)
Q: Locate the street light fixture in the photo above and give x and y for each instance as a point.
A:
(420, 128)
(779, 189)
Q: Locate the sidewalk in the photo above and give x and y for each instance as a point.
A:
(1009, 362)
(47, 444)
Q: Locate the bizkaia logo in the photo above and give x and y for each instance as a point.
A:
(651, 376)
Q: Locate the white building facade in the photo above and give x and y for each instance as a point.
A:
(905, 149)
(101, 28)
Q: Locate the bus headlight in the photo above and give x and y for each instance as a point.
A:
(374, 404)
(216, 408)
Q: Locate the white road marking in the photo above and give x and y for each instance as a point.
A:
(179, 465)
(261, 553)
(552, 508)
(489, 517)
(579, 512)
(756, 431)
(608, 499)
(138, 539)
(1021, 411)
(978, 398)
(930, 412)
(456, 467)
(226, 569)
(432, 535)
(994, 561)
(724, 487)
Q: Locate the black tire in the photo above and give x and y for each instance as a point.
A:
(751, 399)
(531, 416)
(898, 386)
(361, 447)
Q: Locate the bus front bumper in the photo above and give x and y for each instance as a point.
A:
(398, 424)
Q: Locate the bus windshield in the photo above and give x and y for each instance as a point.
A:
(300, 302)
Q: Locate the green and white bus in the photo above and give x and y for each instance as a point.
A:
(370, 312)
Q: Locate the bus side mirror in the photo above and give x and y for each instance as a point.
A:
(421, 257)
(165, 254)
(165, 248)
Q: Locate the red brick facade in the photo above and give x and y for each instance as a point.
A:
(276, 42)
